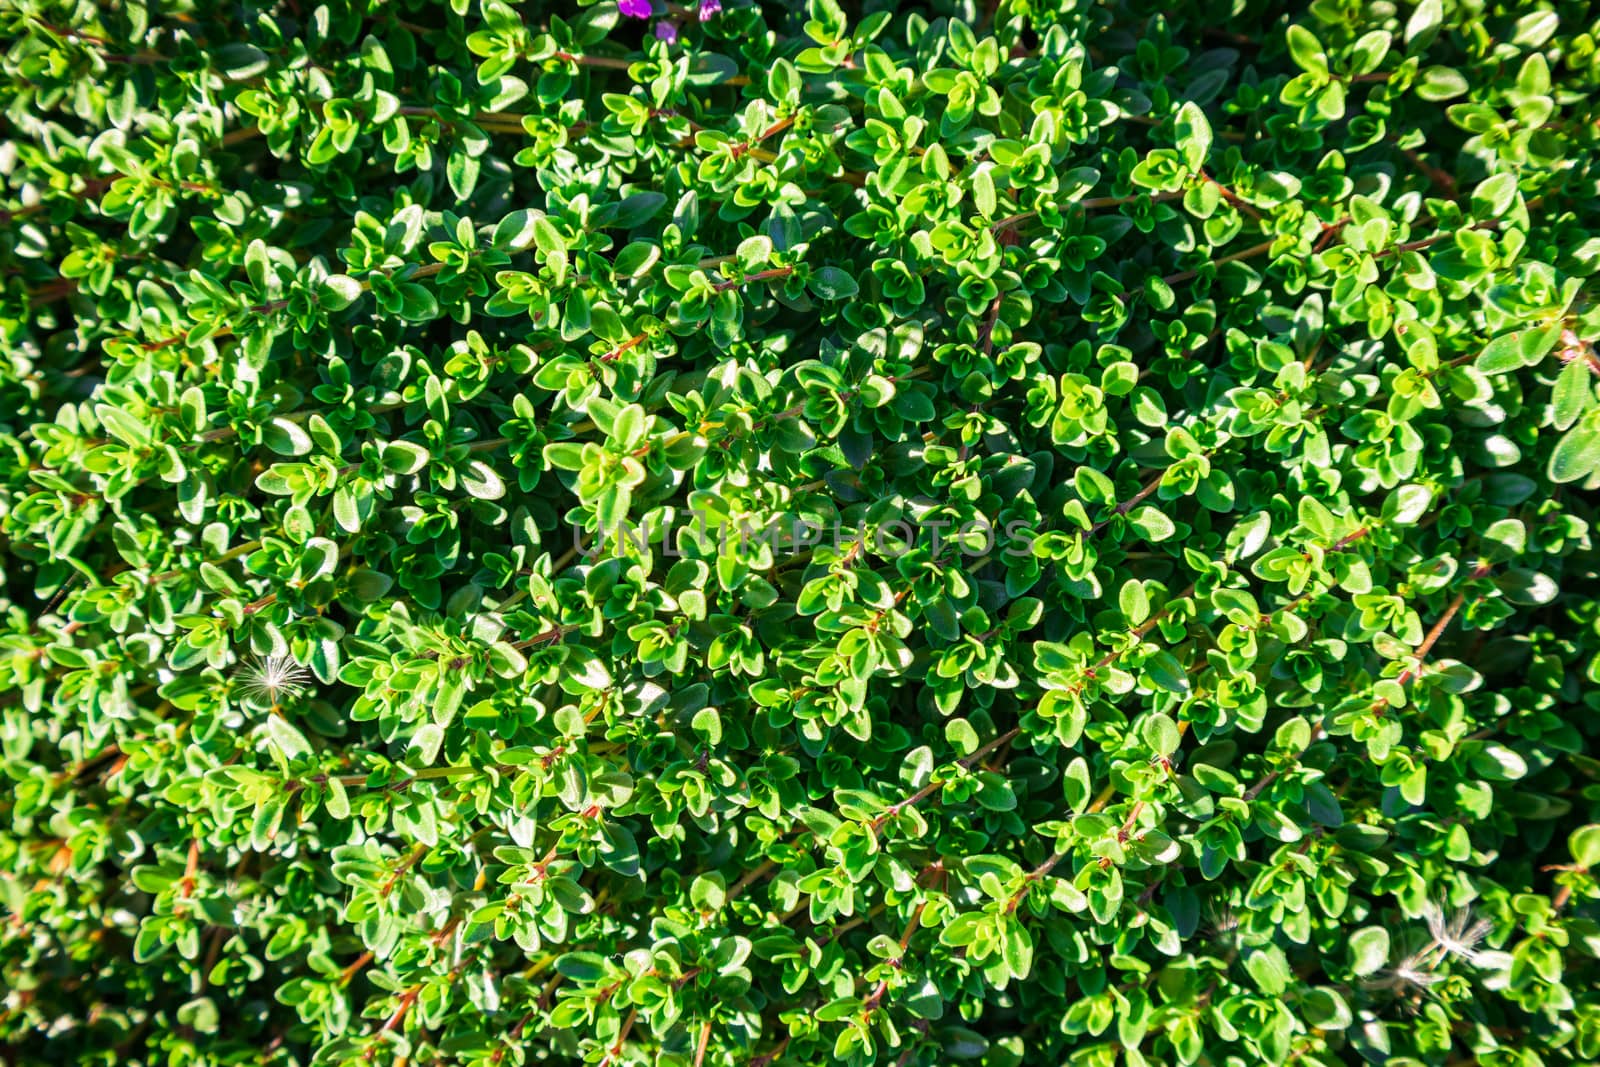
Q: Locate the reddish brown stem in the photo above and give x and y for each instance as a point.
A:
(399, 872)
(966, 763)
(1382, 703)
(700, 1047)
(604, 62)
(986, 332)
(191, 870)
(1231, 197)
(555, 633)
(1129, 504)
(777, 1050)
(631, 343)
(349, 973)
(751, 877)
(1248, 253)
(870, 1005)
(758, 276)
(622, 1035)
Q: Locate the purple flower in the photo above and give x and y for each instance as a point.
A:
(635, 9)
(709, 8)
(666, 31)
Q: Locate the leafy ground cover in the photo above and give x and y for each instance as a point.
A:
(778, 534)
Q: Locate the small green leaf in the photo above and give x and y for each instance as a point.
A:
(1306, 51)
(1577, 455)
(1369, 950)
(831, 283)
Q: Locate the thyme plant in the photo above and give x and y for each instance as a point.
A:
(780, 534)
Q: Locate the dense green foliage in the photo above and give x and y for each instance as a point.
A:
(1169, 629)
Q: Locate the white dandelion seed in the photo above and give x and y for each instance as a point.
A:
(1459, 935)
(1415, 972)
(1222, 920)
(272, 678)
